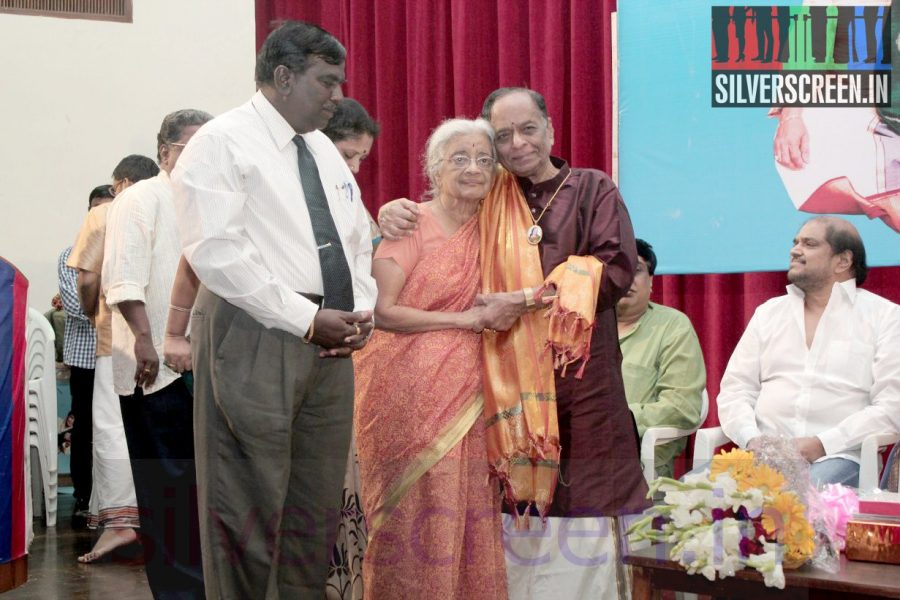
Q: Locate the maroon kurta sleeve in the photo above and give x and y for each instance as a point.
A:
(611, 237)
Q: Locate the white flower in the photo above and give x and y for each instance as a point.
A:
(710, 549)
(688, 498)
(775, 578)
(753, 501)
(769, 564)
(730, 532)
(730, 565)
(683, 517)
(695, 478)
(725, 482)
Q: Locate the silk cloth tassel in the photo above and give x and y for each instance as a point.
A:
(572, 312)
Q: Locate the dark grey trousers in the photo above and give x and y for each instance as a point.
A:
(272, 426)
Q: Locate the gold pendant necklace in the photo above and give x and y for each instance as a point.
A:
(535, 234)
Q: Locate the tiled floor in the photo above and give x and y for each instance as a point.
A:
(53, 571)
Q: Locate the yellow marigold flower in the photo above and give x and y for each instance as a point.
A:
(784, 518)
(737, 463)
(765, 478)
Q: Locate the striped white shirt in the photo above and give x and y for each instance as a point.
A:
(244, 222)
(139, 263)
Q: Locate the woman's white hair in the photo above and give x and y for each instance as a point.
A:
(442, 135)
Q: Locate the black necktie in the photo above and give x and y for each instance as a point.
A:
(335, 272)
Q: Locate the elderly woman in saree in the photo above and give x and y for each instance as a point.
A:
(432, 512)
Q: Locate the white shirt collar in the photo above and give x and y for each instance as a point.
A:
(278, 127)
(847, 288)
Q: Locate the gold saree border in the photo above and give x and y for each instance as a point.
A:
(449, 437)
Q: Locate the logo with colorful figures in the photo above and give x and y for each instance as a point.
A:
(802, 55)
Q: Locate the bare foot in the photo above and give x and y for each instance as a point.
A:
(109, 540)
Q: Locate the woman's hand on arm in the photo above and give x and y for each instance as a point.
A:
(177, 353)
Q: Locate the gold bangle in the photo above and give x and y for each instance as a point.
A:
(529, 297)
(309, 334)
(179, 308)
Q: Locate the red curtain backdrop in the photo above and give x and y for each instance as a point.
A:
(412, 63)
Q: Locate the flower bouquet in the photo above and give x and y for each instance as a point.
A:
(739, 513)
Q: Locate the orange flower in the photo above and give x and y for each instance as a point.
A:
(738, 463)
(765, 478)
(784, 518)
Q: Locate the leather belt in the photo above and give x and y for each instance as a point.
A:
(316, 299)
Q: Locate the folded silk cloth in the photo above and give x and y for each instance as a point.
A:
(572, 312)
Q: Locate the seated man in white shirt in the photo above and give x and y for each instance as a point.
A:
(819, 365)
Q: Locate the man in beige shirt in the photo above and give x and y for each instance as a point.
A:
(113, 504)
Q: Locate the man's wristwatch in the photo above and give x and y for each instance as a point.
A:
(529, 297)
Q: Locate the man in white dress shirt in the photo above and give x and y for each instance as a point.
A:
(273, 225)
(141, 256)
(821, 364)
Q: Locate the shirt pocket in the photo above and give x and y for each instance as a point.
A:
(848, 363)
(640, 383)
(344, 201)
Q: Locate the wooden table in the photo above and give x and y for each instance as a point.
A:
(652, 572)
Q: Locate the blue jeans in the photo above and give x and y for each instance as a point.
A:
(835, 470)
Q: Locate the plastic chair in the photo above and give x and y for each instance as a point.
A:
(708, 440)
(656, 436)
(40, 381)
(705, 443)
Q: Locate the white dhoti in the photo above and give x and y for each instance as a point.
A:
(569, 558)
(113, 503)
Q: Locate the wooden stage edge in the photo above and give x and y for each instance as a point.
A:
(13, 574)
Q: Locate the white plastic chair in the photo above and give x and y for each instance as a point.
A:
(40, 382)
(656, 436)
(705, 443)
(707, 440)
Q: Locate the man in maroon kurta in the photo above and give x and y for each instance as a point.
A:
(579, 212)
(600, 470)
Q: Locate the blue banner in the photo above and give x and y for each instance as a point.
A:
(702, 182)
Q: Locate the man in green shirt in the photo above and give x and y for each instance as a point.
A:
(662, 364)
(57, 317)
